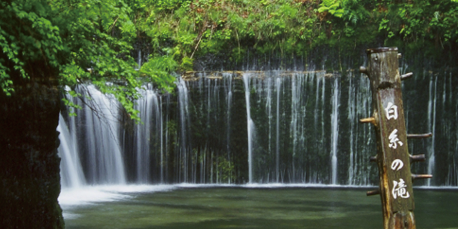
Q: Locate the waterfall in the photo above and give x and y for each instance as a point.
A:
(351, 120)
(142, 137)
(250, 127)
(298, 122)
(184, 125)
(295, 97)
(335, 129)
(323, 122)
(161, 134)
(453, 163)
(277, 167)
(363, 146)
(166, 140)
(228, 87)
(298, 127)
(148, 134)
(269, 112)
(98, 132)
(317, 114)
(432, 122)
(72, 175)
(102, 135)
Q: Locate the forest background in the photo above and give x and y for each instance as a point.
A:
(79, 40)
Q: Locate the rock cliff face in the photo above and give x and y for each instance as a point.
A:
(29, 164)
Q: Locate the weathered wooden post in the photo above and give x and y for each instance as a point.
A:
(392, 157)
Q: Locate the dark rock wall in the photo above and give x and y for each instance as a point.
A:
(29, 164)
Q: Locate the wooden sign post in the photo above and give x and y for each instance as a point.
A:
(393, 158)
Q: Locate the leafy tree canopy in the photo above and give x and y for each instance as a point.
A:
(75, 42)
(92, 40)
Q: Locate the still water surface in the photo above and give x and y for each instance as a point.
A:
(205, 207)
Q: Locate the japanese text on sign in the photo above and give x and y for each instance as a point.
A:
(399, 189)
(394, 140)
(397, 165)
(391, 111)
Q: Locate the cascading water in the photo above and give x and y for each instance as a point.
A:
(306, 131)
(106, 164)
(269, 112)
(351, 117)
(323, 122)
(166, 117)
(296, 129)
(228, 79)
(148, 133)
(291, 138)
(359, 167)
(250, 126)
(184, 123)
(318, 119)
(335, 129)
(72, 175)
(452, 178)
(161, 134)
(432, 121)
(277, 167)
(142, 137)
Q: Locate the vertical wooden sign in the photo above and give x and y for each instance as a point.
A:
(393, 158)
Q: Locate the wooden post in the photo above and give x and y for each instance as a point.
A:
(393, 158)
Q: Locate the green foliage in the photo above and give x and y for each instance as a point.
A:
(429, 26)
(355, 13)
(159, 68)
(168, 4)
(98, 36)
(196, 28)
(186, 64)
(26, 36)
(332, 7)
(74, 42)
(66, 38)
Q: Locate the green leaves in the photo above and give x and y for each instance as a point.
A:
(75, 42)
(92, 40)
(332, 7)
(98, 38)
(159, 69)
(27, 36)
(186, 64)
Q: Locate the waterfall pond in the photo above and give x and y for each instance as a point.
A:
(255, 206)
